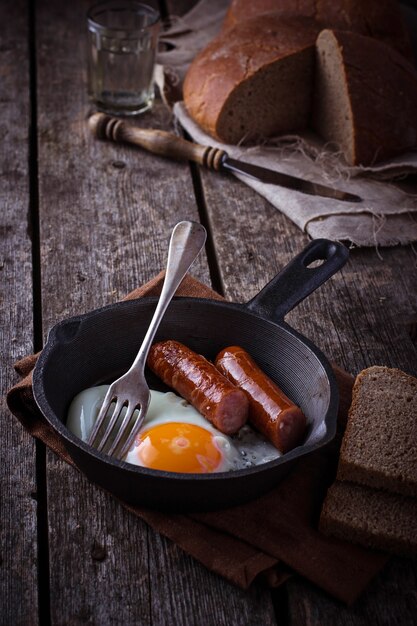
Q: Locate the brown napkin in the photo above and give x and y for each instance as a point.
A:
(268, 538)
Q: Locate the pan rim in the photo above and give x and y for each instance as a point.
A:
(329, 419)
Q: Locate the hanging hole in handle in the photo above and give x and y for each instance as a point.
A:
(318, 253)
(313, 264)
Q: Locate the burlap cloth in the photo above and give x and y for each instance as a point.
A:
(386, 216)
(269, 538)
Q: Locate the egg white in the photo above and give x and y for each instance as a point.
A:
(246, 449)
(163, 408)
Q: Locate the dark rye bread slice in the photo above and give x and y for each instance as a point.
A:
(255, 80)
(379, 447)
(381, 19)
(372, 518)
(365, 97)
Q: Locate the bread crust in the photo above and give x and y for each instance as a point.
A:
(235, 58)
(255, 80)
(372, 518)
(380, 19)
(379, 447)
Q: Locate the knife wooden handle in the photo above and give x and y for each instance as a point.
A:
(157, 141)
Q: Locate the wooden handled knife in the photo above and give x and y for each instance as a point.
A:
(169, 145)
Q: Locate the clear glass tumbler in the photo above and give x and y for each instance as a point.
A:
(123, 39)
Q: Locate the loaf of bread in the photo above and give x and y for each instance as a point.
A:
(379, 447)
(380, 19)
(254, 80)
(258, 77)
(371, 518)
(365, 97)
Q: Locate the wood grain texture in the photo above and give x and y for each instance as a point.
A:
(18, 522)
(361, 316)
(106, 213)
(389, 600)
(365, 314)
(105, 210)
(196, 596)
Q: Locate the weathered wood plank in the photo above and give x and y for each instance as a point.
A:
(361, 316)
(195, 596)
(389, 599)
(18, 530)
(106, 212)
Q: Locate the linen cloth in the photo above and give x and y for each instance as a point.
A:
(387, 214)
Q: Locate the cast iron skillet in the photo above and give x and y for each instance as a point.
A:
(99, 346)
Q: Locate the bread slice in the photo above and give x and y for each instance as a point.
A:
(371, 518)
(379, 447)
(365, 97)
(254, 80)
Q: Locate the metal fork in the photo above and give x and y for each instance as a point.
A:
(131, 390)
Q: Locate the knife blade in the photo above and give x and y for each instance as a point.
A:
(286, 180)
(166, 144)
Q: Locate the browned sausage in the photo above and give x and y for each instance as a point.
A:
(270, 410)
(201, 384)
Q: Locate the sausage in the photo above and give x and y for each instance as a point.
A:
(270, 410)
(201, 384)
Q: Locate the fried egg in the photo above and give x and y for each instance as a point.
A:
(175, 437)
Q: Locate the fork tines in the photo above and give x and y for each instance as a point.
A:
(112, 419)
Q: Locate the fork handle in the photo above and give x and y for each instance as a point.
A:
(187, 241)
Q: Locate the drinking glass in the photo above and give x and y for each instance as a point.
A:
(123, 38)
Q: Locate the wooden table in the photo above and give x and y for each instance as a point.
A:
(83, 222)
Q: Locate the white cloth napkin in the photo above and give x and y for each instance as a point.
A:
(179, 44)
(387, 214)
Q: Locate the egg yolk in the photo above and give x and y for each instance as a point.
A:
(178, 447)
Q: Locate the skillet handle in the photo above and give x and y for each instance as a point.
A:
(296, 280)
